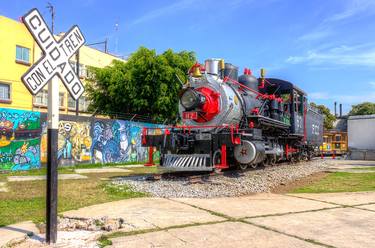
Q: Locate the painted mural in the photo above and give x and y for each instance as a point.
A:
(19, 139)
(118, 141)
(110, 141)
(23, 140)
(74, 142)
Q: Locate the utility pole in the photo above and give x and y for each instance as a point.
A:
(51, 9)
(52, 150)
(105, 42)
(77, 67)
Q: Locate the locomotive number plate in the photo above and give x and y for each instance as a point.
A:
(190, 115)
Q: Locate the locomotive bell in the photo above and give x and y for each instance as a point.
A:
(197, 72)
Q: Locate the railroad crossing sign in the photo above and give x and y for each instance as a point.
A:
(54, 63)
(55, 60)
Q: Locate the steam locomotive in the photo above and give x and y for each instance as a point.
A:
(244, 121)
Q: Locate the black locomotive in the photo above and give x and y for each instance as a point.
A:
(237, 121)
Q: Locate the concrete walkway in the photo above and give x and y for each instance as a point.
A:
(16, 233)
(352, 166)
(36, 178)
(101, 170)
(3, 187)
(261, 220)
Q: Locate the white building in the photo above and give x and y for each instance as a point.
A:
(361, 137)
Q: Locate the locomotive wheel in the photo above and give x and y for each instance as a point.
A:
(273, 161)
(267, 162)
(216, 158)
(298, 158)
(270, 161)
(243, 166)
(254, 166)
(292, 160)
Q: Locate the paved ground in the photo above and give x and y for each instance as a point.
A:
(304, 220)
(147, 213)
(16, 233)
(101, 170)
(3, 187)
(348, 165)
(227, 234)
(261, 220)
(34, 178)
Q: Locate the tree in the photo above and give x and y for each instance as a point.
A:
(329, 118)
(366, 108)
(146, 84)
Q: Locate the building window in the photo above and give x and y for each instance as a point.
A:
(83, 104)
(4, 92)
(23, 54)
(338, 138)
(82, 69)
(71, 103)
(41, 98)
(61, 99)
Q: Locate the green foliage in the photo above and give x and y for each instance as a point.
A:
(146, 84)
(329, 118)
(366, 108)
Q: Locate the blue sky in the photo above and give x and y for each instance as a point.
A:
(327, 47)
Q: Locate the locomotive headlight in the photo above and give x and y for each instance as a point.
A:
(191, 99)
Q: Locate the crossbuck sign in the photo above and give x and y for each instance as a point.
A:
(55, 60)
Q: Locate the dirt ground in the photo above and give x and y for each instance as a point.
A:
(286, 188)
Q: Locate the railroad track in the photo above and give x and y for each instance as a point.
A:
(198, 177)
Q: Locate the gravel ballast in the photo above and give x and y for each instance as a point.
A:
(229, 184)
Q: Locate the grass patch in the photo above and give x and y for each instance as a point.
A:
(26, 200)
(103, 241)
(121, 191)
(370, 168)
(64, 169)
(341, 182)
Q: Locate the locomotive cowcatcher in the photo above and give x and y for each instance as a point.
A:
(230, 120)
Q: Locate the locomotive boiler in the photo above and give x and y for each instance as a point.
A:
(230, 120)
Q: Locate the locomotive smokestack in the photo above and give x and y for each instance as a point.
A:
(335, 109)
(340, 109)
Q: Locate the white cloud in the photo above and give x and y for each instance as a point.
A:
(185, 4)
(351, 10)
(315, 35)
(348, 99)
(360, 55)
(165, 10)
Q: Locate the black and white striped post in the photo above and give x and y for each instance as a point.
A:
(54, 64)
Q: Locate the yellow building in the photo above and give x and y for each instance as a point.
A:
(18, 51)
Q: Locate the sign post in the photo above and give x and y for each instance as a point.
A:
(54, 64)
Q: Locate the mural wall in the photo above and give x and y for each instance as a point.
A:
(74, 143)
(82, 140)
(118, 141)
(19, 139)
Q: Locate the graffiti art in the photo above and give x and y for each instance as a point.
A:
(110, 141)
(23, 140)
(74, 142)
(19, 139)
